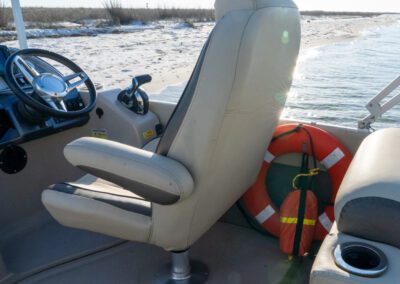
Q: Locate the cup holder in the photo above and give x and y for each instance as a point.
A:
(360, 259)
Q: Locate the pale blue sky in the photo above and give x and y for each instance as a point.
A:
(342, 5)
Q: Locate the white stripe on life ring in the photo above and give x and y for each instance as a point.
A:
(333, 158)
(264, 215)
(325, 222)
(269, 157)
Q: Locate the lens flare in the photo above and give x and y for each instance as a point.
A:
(285, 37)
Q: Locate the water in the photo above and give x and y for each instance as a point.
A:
(332, 84)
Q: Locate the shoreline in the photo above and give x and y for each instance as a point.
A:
(343, 29)
(170, 53)
(348, 31)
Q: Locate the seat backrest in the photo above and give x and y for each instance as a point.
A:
(228, 113)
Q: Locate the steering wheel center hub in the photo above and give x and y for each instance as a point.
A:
(51, 85)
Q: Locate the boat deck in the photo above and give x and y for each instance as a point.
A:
(233, 253)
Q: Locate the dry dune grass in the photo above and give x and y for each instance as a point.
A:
(123, 16)
(4, 15)
(117, 14)
(49, 15)
(347, 14)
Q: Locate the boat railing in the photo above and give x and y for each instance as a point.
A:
(378, 107)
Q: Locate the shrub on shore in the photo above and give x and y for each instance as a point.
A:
(117, 14)
(4, 15)
(120, 15)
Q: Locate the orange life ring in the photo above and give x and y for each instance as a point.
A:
(328, 151)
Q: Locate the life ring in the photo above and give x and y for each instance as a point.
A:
(328, 151)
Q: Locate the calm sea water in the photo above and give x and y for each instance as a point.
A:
(333, 83)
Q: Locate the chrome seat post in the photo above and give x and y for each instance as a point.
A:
(181, 269)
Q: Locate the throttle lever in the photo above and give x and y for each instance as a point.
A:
(135, 98)
(140, 80)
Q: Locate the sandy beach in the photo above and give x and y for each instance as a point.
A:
(169, 52)
(317, 31)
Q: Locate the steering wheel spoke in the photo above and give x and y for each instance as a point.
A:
(62, 106)
(28, 71)
(74, 85)
(57, 104)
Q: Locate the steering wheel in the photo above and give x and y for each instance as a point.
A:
(50, 89)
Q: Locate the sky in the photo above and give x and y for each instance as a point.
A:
(329, 5)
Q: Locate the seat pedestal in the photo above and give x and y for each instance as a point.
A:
(182, 270)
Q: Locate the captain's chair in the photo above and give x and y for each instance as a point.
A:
(213, 145)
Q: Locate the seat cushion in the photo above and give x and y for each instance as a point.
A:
(103, 191)
(368, 201)
(100, 206)
(97, 205)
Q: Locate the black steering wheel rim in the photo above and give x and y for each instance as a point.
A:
(36, 104)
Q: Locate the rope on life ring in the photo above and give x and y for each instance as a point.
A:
(289, 138)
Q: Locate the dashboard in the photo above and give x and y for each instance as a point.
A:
(15, 126)
(4, 53)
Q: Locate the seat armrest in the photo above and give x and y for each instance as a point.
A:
(155, 178)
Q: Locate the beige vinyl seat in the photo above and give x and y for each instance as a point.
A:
(213, 145)
(367, 214)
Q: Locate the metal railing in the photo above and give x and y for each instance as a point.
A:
(377, 108)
